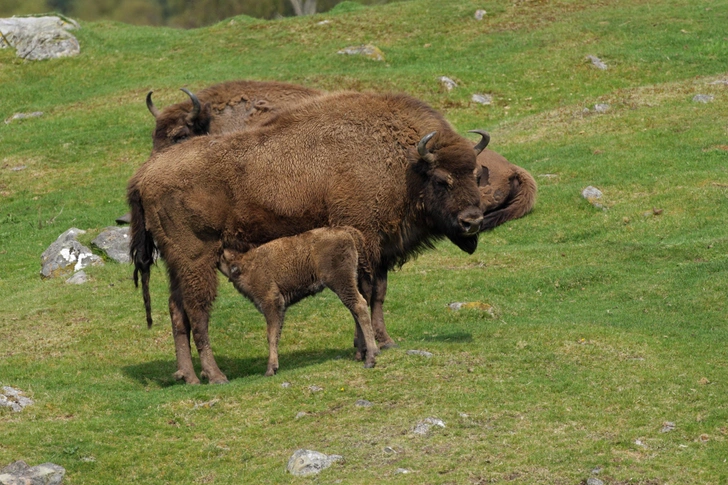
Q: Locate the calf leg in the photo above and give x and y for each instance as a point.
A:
(181, 334)
(274, 312)
(346, 289)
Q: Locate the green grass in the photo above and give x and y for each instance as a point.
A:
(607, 322)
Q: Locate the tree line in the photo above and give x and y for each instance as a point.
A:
(173, 13)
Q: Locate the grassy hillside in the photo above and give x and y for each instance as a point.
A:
(608, 323)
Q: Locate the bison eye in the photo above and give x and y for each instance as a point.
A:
(178, 139)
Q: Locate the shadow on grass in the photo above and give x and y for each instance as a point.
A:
(455, 337)
(159, 372)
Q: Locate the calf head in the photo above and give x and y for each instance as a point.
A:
(229, 264)
(451, 198)
(178, 122)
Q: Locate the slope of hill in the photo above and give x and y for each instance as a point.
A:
(608, 322)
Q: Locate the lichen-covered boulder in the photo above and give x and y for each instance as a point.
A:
(66, 255)
(38, 38)
(309, 462)
(19, 472)
(114, 241)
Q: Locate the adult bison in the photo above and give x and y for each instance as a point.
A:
(507, 191)
(223, 108)
(343, 159)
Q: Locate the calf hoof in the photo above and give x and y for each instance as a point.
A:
(188, 378)
(369, 365)
(219, 379)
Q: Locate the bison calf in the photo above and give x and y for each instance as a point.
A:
(280, 273)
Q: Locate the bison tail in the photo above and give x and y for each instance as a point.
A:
(520, 201)
(141, 247)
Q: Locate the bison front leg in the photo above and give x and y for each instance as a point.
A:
(379, 292)
(181, 333)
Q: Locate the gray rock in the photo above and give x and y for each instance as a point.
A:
(593, 195)
(369, 51)
(720, 81)
(114, 241)
(479, 14)
(423, 427)
(315, 388)
(38, 38)
(401, 471)
(285, 385)
(594, 481)
(22, 116)
(423, 353)
(66, 255)
(14, 399)
(363, 403)
(19, 473)
(703, 98)
(447, 83)
(596, 62)
(668, 426)
(78, 278)
(601, 108)
(482, 99)
(308, 462)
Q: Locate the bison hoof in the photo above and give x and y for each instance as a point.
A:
(271, 372)
(388, 345)
(369, 365)
(189, 379)
(220, 379)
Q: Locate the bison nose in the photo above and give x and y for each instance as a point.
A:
(470, 221)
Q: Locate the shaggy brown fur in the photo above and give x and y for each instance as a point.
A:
(280, 273)
(224, 108)
(344, 159)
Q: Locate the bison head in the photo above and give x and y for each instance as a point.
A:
(450, 197)
(180, 121)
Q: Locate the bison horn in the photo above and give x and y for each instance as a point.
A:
(195, 103)
(422, 146)
(483, 142)
(150, 105)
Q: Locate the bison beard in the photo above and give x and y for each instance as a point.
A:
(336, 160)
